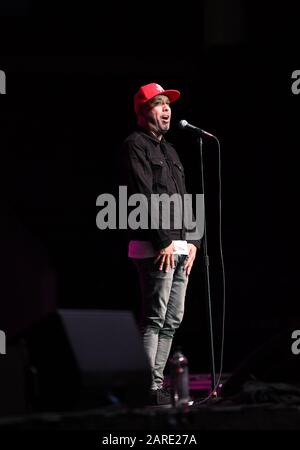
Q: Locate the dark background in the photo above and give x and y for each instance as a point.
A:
(71, 76)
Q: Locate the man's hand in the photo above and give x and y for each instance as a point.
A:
(190, 260)
(166, 258)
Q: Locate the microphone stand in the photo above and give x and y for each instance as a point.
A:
(207, 287)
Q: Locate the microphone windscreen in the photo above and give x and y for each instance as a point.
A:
(182, 124)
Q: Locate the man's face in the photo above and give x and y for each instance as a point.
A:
(158, 115)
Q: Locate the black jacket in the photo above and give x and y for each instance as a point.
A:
(150, 166)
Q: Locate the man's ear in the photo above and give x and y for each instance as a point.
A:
(143, 112)
(142, 116)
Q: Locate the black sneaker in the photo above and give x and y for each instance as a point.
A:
(160, 397)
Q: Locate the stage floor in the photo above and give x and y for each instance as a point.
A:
(259, 406)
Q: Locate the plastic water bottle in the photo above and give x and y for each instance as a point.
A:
(179, 378)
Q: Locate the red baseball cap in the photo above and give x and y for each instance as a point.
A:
(145, 93)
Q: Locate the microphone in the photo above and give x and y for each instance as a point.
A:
(183, 124)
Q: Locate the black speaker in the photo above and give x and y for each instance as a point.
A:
(272, 362)
(85, 359)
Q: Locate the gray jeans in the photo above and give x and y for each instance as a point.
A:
(163, 295)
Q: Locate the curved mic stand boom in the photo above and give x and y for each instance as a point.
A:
(183, 124)
(207, 285)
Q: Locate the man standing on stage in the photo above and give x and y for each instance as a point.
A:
(163, 257)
